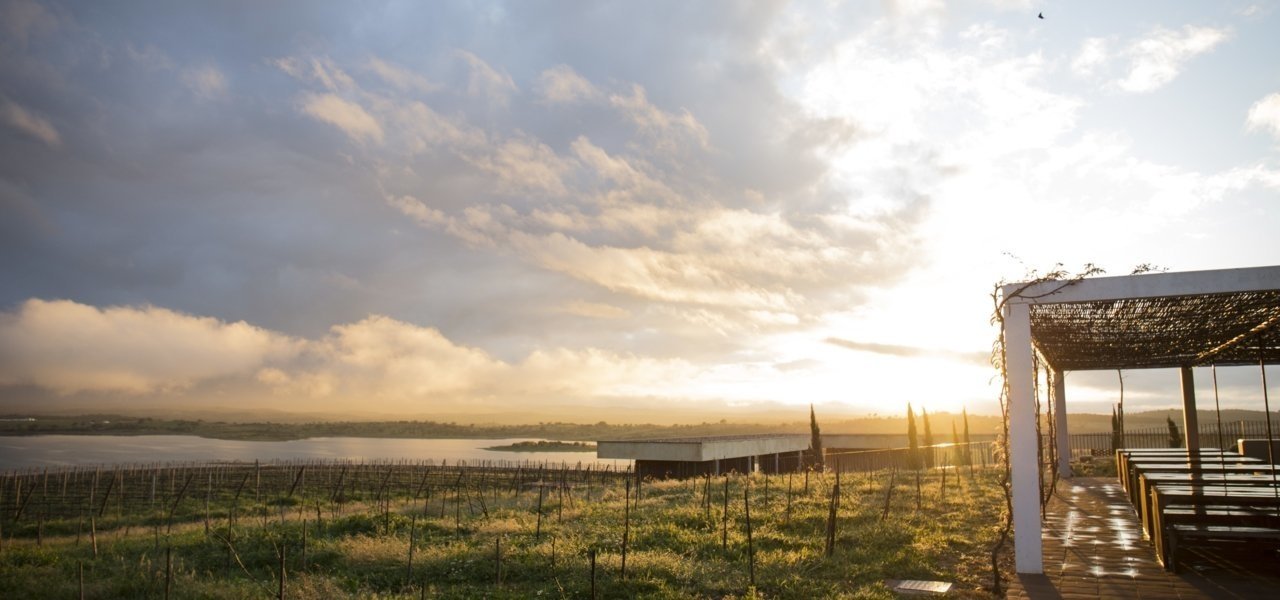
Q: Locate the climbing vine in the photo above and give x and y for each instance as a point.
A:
(998, 360)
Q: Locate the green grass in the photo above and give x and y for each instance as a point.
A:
(674, 545)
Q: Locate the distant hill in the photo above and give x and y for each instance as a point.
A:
(1155, 419)
(940, 423)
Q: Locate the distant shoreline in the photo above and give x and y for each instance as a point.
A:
(17, 425)
(20, 424)
(545, 446)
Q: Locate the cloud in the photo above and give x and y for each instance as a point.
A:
(522, 165)
(70, 347)
(562, 85)
(1253, 10)
(401, 78)
(1158, 58)
(670, 131)
(487, 82)
(30, 124)
(1265, 115)
(348, 116)
(23, 19)
(1092, 54)
(596, 310)
(424, 129)
(206, 81)
(756, 266)
(381, 363)
(149, 57)
(981, 358)
(318, 69)
(382, 355)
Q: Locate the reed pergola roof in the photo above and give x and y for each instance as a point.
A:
(1151, 320)
(1159, 332)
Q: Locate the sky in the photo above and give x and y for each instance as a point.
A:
(576, 211)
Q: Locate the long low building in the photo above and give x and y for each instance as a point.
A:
(688, 457)
(768, 453)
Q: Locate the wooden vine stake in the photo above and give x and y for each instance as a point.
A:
(942, 487)
(888, 493)
(751, 553)
(917, 490)
(208, 491)
(413, 526)
(542, 492)
(283, 552)
(168, 570)
(626, 526)
(591, 555)
(789, 496)
(831, 516)
(724, 517)
(304, 547)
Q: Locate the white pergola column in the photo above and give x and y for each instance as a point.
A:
(1023, 442)
(1190, 419)
(1060, 427)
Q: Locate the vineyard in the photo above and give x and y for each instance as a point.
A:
(417, 529)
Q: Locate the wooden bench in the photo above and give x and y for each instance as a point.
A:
(1226, 511)
(1198, 501)
(1180, 534)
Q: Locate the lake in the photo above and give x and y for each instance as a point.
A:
(19, 452)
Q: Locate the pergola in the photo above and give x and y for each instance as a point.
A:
(1161, 320)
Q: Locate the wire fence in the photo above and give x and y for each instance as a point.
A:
(975, 454)
(1211, 436)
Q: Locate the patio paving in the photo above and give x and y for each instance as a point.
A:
(1094, 548)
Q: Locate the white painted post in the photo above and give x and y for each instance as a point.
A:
(1190, 419)
(1023, 445)
(1060, 429)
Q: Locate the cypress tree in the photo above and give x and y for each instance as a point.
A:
(968, 455)
(1175, 438)
(913, 445)
(955, 439)
(928, 439)
(1116, 442)
(815, 442)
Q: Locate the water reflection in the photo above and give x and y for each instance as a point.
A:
(68, 450)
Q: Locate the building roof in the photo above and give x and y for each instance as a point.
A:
(702, 448)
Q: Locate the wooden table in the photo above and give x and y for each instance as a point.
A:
(1134, 465)
(1266, 498)
(1240, 465)
(1124, 456)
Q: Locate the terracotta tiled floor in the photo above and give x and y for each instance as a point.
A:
(1093, 548)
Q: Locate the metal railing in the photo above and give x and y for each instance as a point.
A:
(1095, 444)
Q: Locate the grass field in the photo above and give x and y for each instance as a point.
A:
(410, 531)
